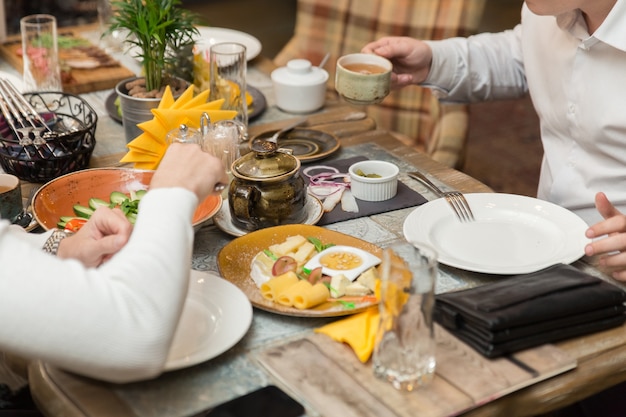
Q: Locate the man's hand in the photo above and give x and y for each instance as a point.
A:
(610, 249)
(106, 232)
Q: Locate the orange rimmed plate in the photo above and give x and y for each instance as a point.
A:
(57, 197)
(235, 258)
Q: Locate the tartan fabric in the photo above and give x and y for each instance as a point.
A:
(345, 26)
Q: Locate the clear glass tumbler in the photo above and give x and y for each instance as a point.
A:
(228, 79)
(40, 53)
(405, 343)
(110, 41)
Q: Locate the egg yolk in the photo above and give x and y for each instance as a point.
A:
(341, 261)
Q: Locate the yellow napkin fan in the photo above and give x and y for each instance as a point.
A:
(147, 149)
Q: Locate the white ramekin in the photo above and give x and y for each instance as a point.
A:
(374, 189)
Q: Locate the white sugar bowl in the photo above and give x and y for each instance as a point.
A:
(299, 87)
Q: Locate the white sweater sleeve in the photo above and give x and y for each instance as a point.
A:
(115, 322)
(487, 66)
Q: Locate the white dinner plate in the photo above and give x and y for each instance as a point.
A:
(512, 234)
(211, 35)
(216, 315)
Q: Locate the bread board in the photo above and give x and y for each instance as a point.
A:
(105, 75)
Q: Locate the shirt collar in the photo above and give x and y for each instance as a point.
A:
(611, 32)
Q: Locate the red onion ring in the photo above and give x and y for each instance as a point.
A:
(308, 170)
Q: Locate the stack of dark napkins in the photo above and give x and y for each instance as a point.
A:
(528, 310)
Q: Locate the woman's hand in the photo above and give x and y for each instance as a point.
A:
(186, 165)
(106, 232)
(411, 58)
(612, 248)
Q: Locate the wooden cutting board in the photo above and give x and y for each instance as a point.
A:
(330, 378)
(79, 80)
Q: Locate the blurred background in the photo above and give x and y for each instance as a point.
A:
(504, 134)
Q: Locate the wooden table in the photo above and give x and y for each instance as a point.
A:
(600, 358)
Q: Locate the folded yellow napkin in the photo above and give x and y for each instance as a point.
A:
(147, 149)
(358, 331)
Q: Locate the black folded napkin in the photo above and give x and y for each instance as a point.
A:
(528, 310)
(405, 197)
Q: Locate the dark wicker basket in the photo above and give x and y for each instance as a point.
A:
(59, 155)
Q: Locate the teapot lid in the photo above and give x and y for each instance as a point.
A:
(265, 165)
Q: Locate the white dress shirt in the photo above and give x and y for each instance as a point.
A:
(115, 322)
(577, 83)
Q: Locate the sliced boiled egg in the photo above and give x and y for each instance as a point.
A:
(346, 260)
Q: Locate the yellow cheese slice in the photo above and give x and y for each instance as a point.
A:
(288, 296)
(276, 285)
(315, 295)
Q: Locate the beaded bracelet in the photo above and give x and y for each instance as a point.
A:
(52, 243)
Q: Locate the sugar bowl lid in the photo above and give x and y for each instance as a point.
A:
(299, 72)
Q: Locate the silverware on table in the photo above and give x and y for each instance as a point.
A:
(455, 199)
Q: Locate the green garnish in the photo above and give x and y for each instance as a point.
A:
(347, 304)
(360, 173)
(319, 246)
(270, 254)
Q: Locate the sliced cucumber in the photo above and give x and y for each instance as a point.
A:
(140, 193)
(82, 211)
(94, 203)
(118, 197)
(64, 219)
(132, 217)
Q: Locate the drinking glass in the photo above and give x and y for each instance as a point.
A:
(40, 53)
(110, 41)
(405, 344)
(228, 79)
(222, 139)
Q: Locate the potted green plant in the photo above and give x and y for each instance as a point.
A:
(156, 31)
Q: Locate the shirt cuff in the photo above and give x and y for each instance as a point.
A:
(443, 73)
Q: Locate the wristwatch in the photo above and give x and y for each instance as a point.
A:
(52, 243)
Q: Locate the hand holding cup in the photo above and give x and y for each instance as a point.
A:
(363, 78)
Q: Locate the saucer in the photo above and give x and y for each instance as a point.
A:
(223, 220)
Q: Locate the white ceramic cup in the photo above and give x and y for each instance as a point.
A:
(10, 197)
(363, 78)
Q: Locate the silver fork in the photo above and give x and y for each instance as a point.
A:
(455, 199)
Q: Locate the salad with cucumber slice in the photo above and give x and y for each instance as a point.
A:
(129, 204)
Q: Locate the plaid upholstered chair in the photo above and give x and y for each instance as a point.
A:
(344, 26)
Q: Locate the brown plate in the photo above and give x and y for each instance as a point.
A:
(307, 145)
(57, 197)
(235, 258)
